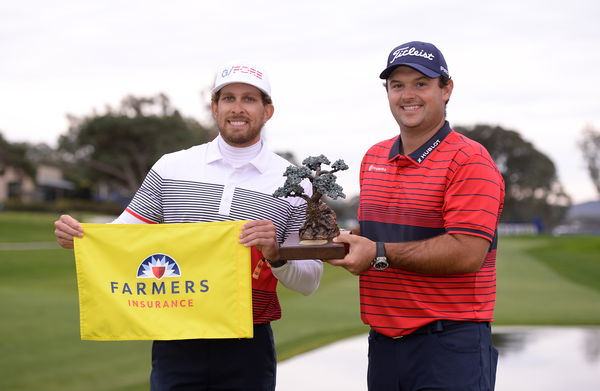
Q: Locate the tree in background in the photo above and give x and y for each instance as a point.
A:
(533, 190)
(590, 146)
(15, 155)
(120, 146)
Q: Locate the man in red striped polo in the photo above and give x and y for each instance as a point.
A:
(430, 202)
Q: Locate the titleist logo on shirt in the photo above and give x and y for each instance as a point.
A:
(412, 51)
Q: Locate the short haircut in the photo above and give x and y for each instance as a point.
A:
(266, 99)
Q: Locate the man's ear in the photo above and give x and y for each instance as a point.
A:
(269, 110)
(447, 90)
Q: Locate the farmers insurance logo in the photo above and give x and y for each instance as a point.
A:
(159, 294)
(158, 266)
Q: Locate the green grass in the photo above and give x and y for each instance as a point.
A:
(330, 314)
(40, 348)
(26, 227)
(541, 281)
(576, 258)
(548, 281)
(30, 227)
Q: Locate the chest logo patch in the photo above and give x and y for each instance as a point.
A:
(373, 167)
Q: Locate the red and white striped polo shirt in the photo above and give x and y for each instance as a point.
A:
(449, 185)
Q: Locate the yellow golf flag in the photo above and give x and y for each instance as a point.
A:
(163, 281)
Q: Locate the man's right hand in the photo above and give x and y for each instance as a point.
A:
(66, 229)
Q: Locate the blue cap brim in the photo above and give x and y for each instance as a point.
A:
(418, 67)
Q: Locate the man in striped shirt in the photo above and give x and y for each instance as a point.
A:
(429, 207)
(230, 178)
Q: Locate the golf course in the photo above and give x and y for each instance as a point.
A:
(542, 280)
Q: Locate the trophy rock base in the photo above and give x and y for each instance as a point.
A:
(294, 248)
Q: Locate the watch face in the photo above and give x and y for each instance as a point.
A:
(380, 263)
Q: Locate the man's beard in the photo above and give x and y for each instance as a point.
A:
(242, 138)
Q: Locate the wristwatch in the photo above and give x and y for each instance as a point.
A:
(380, 262)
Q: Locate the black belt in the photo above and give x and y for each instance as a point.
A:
(436, 326)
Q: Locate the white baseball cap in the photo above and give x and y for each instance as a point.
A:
(242, 72)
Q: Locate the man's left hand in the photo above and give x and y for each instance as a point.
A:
(360, 256)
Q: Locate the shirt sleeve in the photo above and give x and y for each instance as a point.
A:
(127, 218)
(146, 204)
(301, 276)
(473, 199)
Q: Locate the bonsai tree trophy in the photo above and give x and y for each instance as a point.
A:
(314, 237)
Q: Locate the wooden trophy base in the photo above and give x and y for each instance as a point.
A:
(292, 248)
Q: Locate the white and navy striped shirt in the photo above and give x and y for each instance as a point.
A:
(199, 185)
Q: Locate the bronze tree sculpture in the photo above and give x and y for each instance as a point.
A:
(320, 223)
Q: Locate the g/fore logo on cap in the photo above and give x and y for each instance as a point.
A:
(412, 51)
(158, 266)
(242, 69)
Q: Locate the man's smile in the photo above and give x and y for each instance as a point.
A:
(238, 123)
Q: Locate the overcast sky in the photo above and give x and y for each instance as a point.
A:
(531, 66)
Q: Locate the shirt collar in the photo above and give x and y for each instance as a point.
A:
(260, 161)
(212, 152)
(421, 153)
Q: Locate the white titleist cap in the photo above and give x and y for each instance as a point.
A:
(241, 72)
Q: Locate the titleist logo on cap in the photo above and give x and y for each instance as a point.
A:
(412, 51)
(423, 57)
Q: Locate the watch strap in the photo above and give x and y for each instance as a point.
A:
(380, 249)
(276, 264)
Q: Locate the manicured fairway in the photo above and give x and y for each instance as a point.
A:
(541, 281)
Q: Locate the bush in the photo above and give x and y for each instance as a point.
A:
(68, 206)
